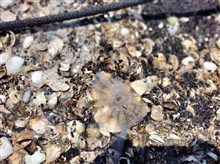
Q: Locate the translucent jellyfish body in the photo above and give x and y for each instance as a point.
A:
(117, 107)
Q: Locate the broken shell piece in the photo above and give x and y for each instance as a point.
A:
(4, 110)
(157, 113)
(16, 157)
(212, 67)
(166, 82)
(133, 52)
(22, 140)
(174, 136)
(53, 152)
(88, 157)
(55, 47)
(38, 124)
(28, 41)
(7, 3)
(148, 46)
(117, 106)
(52, 102)
(159, 61)
(14, 65)
(64, 66)
(215, 55)
(189, 45)
(54, 81)
(211, 154)
(153, 80)
(93, 131)
(140, 87)
(40, 99)
(154, 136)
(191, 110)
(218, 43)
(174, 62)
(7, 15)
(80, 127)
(36, 158)
(6, 148)
(187, 60)
(4, 57)
(15, 96)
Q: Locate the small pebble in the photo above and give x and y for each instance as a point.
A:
(26, 96)
(14, 65)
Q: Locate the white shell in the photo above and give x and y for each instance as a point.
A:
(6, 148)
(210, 66)
(14, 65)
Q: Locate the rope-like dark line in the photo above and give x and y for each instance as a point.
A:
(10, 25)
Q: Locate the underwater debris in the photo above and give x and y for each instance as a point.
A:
(117, 106)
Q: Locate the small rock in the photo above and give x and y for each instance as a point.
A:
(14, 65)
(157, 113)
(36, 77)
